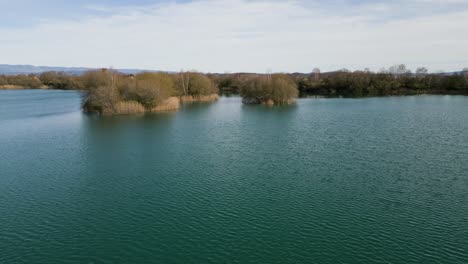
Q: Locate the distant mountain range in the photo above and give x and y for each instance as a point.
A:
(7, 69)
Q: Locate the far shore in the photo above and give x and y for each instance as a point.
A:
(19, 87)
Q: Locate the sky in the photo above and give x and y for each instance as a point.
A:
(236, 35)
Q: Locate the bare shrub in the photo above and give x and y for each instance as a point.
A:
(266, 89)
(152, 89)
(102, 99)
(194, 84)
(97, 78)
(3, 81)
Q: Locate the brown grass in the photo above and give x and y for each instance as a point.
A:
(268, 102)
(128, 107)
(200, 98)
(170, 104)
(11, 87)
(20, 87)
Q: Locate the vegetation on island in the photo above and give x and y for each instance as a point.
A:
(110, 92)
(195, 87)
(268, 89)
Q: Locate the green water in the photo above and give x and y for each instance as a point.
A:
(380, 180)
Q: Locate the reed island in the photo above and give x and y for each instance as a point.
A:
(110, 92)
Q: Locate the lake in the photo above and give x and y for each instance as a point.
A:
(375, 180)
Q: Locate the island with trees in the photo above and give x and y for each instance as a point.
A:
(110, 92)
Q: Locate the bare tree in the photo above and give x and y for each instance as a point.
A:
(383, 70)
(316, 73)
(269, 72)
(3, 81)
(184, 81)
(465, 72)
(399, 70)
(421, 71)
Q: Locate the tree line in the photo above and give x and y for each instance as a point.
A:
(22, 80)
(54, 80)
(397, 80)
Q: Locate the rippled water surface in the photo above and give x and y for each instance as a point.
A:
(381, 180)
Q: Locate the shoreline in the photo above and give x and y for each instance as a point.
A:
(20, 87)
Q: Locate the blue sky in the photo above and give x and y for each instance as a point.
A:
(236, 35)
(27, 12)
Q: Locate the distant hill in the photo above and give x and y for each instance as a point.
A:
(7, 69)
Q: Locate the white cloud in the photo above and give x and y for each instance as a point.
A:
(242, 35)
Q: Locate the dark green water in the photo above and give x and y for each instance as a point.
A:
(380, 180)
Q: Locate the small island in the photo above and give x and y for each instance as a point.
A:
(111, 93)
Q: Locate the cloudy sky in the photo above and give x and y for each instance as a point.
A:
(236, 35)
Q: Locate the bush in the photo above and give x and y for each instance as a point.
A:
(27, 81)
(61, 80)
(97, 78)
(102, 99)
(201, 85)
(3, 81)
(194, 84)
(120, 93)
(151, 89)
(276, 89)
(103, 94)
(283, 89)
